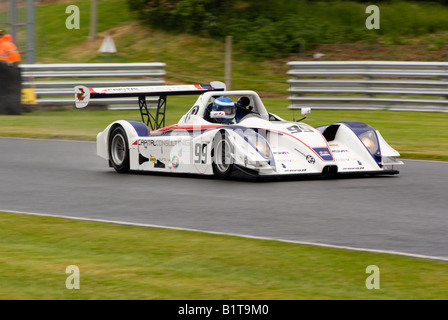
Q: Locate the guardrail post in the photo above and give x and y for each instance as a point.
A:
(228, 62)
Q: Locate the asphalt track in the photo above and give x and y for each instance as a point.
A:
(407, 214)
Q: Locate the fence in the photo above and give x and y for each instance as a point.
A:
(54, 83)
(375, 85)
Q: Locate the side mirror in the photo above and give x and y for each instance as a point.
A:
(218, 85)
(306, 111)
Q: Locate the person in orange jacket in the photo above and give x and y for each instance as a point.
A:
(10, 76)
(8, 50)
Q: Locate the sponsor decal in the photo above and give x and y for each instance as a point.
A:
(339, 151)
(310, 159)
(300, 152)
(356, 168)
(175, 162)
(142, 159)
(324, 154)
(81, 95)
(296, 170)
(159, 164)
(147, 143)
(342, 159)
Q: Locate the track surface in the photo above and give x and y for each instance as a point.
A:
(407, 213)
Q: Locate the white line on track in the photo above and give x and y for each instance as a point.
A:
(229, 234)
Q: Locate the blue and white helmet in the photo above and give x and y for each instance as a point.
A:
(227, 108)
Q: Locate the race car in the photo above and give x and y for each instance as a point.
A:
(225, 132)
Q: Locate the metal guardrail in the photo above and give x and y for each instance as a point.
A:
(54, 83)
(374, 85)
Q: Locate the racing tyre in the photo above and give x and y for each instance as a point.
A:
(119, 150)
(222, 160)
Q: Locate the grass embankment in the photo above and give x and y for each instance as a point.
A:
(416, 135)
(188, 58)
(125, 262)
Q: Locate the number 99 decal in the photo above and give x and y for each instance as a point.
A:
(297, 128)
(200, 153)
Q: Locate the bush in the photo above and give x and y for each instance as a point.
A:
(270, 29)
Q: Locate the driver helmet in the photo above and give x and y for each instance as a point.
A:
(227, 105)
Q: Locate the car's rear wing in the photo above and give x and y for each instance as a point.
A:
(83, 95)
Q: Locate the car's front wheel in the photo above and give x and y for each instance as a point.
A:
(119, 150)
(222, 155)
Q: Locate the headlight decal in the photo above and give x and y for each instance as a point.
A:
(258, 142)
(367, 135)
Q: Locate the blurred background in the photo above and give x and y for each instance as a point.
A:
(189, 35)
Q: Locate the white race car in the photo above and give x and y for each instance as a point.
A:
(211, 140)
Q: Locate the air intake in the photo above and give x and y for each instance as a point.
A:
(330, 170)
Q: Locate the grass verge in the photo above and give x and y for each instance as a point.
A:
(126, 262)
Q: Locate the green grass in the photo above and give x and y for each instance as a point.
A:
(53, 38)
(416, 135)
(126, 262)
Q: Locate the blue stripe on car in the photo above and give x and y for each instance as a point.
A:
(141, 128)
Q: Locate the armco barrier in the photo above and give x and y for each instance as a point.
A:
(375, 85)
(54, 83)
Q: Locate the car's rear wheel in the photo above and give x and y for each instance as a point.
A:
(222, 160)
(119, 150)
